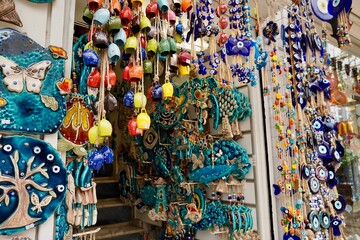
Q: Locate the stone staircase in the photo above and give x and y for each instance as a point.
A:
(115, 218)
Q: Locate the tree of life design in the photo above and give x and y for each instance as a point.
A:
(32, 183)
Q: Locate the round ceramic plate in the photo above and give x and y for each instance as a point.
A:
(33, 183)
(320, 9)
(336, 6)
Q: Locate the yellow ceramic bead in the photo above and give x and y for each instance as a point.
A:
(278, 96)
(293, 166)
(274, 58)
(285, 167)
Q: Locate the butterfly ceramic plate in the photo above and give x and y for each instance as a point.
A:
(33, 183)
(31, 100)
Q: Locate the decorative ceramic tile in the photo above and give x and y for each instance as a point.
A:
(33, 183)
(30, 98)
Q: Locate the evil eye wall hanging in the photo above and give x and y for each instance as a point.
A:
(314, 185)
(29, 88)
(325, 219)
(34, 182)
(339, 204)
(314, 221)
(332, 180)
(270, 31)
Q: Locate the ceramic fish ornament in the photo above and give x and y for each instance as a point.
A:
(8, 13)
(193, 213)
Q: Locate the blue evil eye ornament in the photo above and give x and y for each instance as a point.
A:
(331, 180)
(270, 31)
(28, 85)
(335, 225)
(33, 183)
(288, 236)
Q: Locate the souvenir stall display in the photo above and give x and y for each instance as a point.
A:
(308, 149)
(345, 109)
(177, 171)
(33, 176)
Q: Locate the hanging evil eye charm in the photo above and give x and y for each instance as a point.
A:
(317, 42)
(317, 124)
(324, 219)
(331, 180)
(323, 150)
(314, 221)
(321, 173)
(330, 123)
(340, 148)
(301, 100)
(305, 172)
(335, 224)
(323, 83)
(314, 185)
(335, 155)
(289, 236)
(277, 189)
(339, 204)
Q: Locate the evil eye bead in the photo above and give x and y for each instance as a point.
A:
(324, 219)
(336, 156)
(323, 151)
(50, 157)
(315, 221)
(60, 188)
(7, 148)
(37, 150)
(318, 125)
(321, 173)
(339, 204)
(314, 185)
(305, 172)
(340, 148)
(56, 169)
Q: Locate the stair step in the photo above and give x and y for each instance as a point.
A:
(110, 202)
(117, 231)
(112, 211)
(107, 188)
(105, 180)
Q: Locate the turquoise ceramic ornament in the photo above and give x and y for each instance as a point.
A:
(101, 16)
(114, 53)
(30, 99)
(120, 38)
(33, 183)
